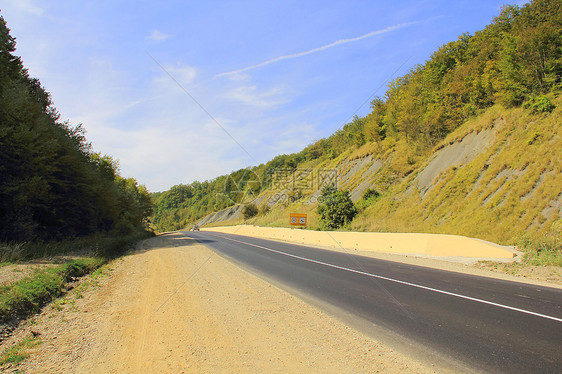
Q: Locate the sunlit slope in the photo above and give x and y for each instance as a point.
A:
(497, 177)
(509, 183)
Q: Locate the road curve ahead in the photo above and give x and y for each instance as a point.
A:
(488, 325)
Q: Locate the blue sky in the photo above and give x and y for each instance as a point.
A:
(275, 75)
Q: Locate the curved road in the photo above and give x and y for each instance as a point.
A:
(484, 324)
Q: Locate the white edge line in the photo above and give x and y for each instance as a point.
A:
(399, 281)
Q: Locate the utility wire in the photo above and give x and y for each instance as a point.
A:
(200, 106)
(374, 93)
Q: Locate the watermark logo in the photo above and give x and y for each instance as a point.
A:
(242, 187)
(291, 185)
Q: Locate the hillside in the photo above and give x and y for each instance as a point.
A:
(497, 177)
(467, 143)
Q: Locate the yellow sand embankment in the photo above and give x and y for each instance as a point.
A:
(421, 244)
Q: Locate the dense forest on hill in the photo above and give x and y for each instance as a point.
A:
(515, 61)
(52, 184)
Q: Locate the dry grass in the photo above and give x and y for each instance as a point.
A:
(20, 351)
(500, 194)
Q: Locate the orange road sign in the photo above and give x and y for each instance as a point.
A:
(298, 219)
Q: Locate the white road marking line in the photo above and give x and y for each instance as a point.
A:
(399, 281)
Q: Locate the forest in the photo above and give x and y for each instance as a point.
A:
(515, 61)
(53, 186)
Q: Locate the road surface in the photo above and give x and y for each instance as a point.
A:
(175, 306)
(489, 325)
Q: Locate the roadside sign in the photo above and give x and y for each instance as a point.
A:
(298, 219)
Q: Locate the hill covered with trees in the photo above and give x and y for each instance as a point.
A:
(52, 184)
(512, 67)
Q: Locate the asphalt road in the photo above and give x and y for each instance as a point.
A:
(485, 324)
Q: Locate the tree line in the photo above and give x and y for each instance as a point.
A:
(52, 184)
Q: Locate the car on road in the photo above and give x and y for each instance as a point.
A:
(195, 228)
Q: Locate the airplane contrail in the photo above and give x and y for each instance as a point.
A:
(318, 49)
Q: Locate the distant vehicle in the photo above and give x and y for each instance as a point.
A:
(195, 228)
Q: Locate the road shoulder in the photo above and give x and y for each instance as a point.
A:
(175, 306)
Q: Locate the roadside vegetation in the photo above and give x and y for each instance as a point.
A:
(249, 211)
(546, 250)
(61, 203)
(26, 296)
(20, 351)
(335, 210)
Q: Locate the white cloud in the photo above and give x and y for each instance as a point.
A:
(183, 74)
(162, 156)
(158, 36)
(175, 74)
(318, 49)
(239, 77)
(27, 6)
(134, 102)
(249, 95)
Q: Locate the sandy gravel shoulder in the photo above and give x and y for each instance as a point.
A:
(174, 306)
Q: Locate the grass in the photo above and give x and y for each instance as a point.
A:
(20, 351)
(95, 245)
(11, 252)
(24, 348)
(520, 180)
(26, 296)
(543, 251)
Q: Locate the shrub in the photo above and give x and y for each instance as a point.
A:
(540, 104)
(264, 209)
(249, 211)
(370, 193)
(336, 208)
(369, 196)
(546, 250)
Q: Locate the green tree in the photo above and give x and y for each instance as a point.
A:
(52, 185)
(336, 208)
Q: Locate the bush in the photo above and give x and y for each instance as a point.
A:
(264, 209)
(540, 104)
(370, 193)
(336, 208)
(249, 211)
(546, 250)
(369, 196)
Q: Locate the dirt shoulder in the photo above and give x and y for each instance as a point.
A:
(176, 307)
